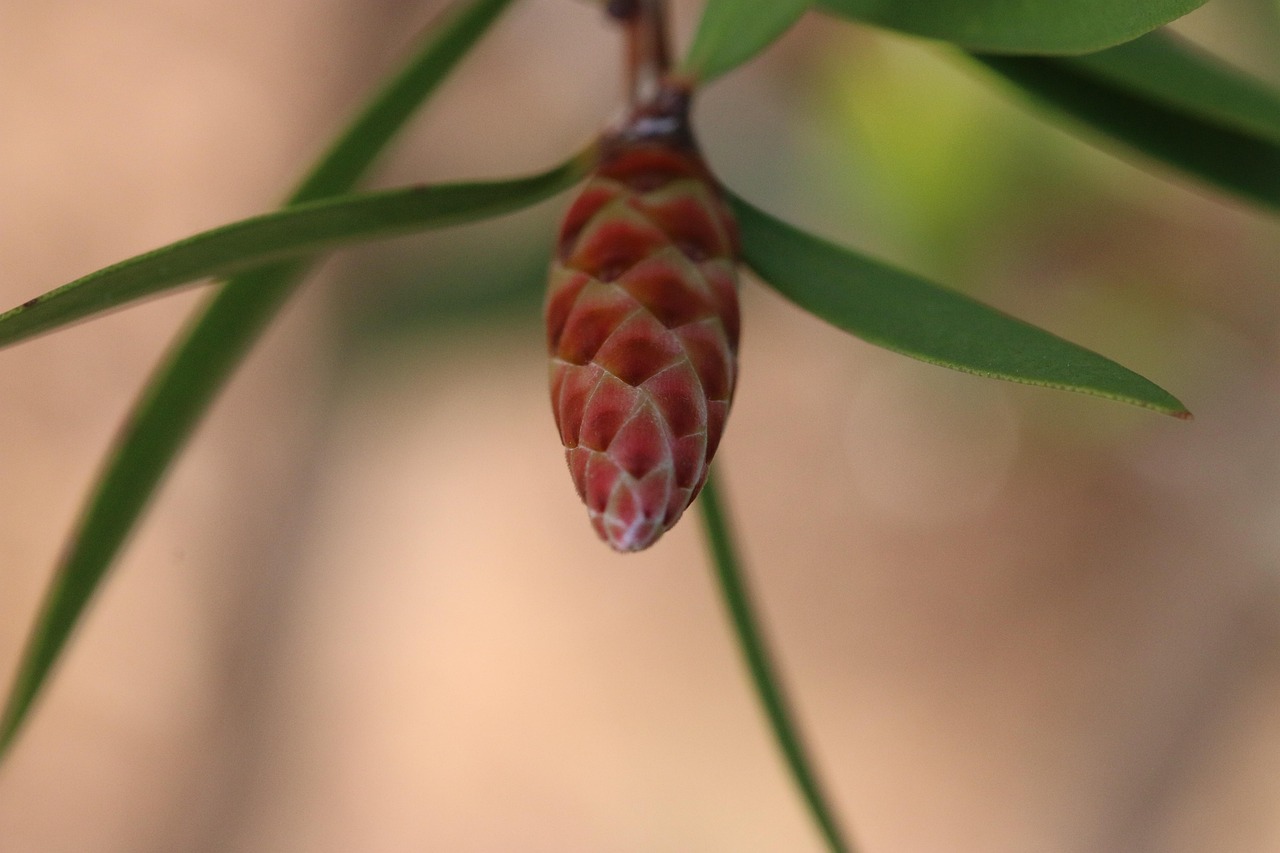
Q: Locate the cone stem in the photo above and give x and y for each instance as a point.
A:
(647, 57)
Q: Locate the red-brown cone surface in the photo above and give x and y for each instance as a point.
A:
(642, 327)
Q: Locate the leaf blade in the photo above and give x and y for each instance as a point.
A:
(185, 384)
(732, 32)
(908, 315)
(293, 231)
(1174, 71)
(1014, 26)
(1239, 163)
(735, 592)
(1233, 144)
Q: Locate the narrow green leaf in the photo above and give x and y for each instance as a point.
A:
(1223, 128)
(1019, 26)
(300, 230)
(906, 314)
(185, 385)
(1177, 73)
(736, 595)
(733, 31)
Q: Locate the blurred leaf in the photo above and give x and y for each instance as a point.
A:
(927, 151)
(733, 31)
(906, 314)
(470, 286)
(299, 230)
(183, 387)
(1179, 74)
(736, 595)
(1018, 26)
(1170, 103)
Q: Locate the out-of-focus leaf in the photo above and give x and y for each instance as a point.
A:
(1223, 129)
(736, 595)
(1018, 26)
(733, 31)
(906, 314)
(299, 230)
(1178, 74)
(186, 383)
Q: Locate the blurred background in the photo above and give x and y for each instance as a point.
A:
(367, 612)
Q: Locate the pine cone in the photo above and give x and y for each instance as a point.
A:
(642, 328)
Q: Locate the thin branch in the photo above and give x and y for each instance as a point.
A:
(648, 58)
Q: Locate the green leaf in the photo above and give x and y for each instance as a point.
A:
(1018, 26)
(733, 31)
(736, 595)
(906, 314)
(186, 383)
(1203, 118)
(1175, 72)
(300, 230)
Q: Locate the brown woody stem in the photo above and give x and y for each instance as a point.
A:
(647, 57)
(658, 101)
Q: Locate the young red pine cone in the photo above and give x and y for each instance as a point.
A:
(642, 328)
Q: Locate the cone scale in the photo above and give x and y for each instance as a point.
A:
(642, 327)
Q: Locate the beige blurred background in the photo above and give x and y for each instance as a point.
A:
(367, 613)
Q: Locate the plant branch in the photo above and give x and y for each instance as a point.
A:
(647, 56)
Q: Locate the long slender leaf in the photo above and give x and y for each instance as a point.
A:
(1018, 26)
(1179, 74)
(736, 595)
(1223, 130)
(197, 368)
(300, 230)
(909, 315)
(733, 31)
